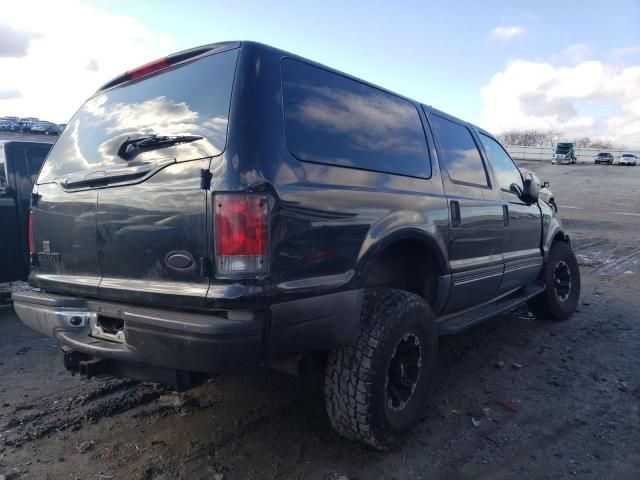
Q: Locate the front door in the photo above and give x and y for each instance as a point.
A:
(523, 222)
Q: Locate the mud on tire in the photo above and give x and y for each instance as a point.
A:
(561, 275)
(376, 389)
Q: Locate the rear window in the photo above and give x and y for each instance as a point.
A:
(191, 99)
(335, 120)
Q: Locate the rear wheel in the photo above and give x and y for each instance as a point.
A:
(376, 389)
(561, 276)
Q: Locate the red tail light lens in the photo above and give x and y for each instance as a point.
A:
(241, 234)
(31, 243)
(148, 68)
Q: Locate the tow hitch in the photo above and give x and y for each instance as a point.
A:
(88, 366)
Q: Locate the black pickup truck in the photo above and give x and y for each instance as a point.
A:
(234, 206)
(20, 163)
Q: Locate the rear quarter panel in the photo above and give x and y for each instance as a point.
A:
(328, 220)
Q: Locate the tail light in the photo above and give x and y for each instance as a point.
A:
(31, 243)
(241, 231)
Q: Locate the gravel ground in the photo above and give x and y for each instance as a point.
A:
(513, 398)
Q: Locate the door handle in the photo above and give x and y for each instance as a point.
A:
(505, 215)
(456, 219)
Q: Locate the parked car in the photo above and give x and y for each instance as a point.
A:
(565, 152)
(8, 126)
(19, 166)
(604, 157)
(628, 159)
(276, 212)
(25, 126)
(38, 128)
(49, 128)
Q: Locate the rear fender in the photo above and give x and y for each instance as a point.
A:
(379, 239)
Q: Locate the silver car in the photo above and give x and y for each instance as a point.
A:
(628, 159)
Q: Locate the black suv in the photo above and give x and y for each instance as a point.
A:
(235, 205)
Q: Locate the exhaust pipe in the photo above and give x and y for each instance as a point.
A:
(299, 365)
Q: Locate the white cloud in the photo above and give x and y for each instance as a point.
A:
(65, 50)
(506, 32)
(576, 53)
(589, 98)
(10, 94)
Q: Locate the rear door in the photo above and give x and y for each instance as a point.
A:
(148, 239)
(521, 249)
(475, 249)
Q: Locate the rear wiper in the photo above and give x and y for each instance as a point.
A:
(131, 148)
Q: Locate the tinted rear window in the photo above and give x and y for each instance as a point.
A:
(335, 120)
(192, 99)
(459, 152)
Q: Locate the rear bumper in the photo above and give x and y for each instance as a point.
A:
(209, 342)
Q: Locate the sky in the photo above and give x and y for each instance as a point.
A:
(568, 66)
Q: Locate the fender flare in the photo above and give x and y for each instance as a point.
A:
(554, 229)
(433, 243)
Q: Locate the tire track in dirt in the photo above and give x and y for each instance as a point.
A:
(63, 412)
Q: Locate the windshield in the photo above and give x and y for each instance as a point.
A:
(563, 147)
(191, 99)
(629, 155)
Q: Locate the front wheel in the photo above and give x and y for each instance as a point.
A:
(561, 276)
(376, 389)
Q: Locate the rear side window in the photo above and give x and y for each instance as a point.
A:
(191, 99)
(335, 120)
(506, 170)
(459, 152)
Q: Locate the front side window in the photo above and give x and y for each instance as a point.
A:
(332, 119)
(506, 171)
(459, 152)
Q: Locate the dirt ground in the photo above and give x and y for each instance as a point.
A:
(513, 398)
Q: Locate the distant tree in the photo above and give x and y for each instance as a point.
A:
(529, 138)
(583, 142)
(602, 144)
(548, 138)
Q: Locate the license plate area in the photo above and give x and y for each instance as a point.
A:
(108, 328)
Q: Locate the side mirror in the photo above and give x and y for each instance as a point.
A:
(530, 192)
(546, 185)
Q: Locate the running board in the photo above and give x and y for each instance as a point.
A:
(459, 322)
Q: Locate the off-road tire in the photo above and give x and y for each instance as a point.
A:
(549, 305)
(356, 388)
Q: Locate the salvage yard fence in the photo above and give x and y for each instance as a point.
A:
(544, 154)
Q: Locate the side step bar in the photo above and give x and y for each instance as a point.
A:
(461, 321)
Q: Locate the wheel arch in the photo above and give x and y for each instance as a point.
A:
(408, 259)
(555, 233)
